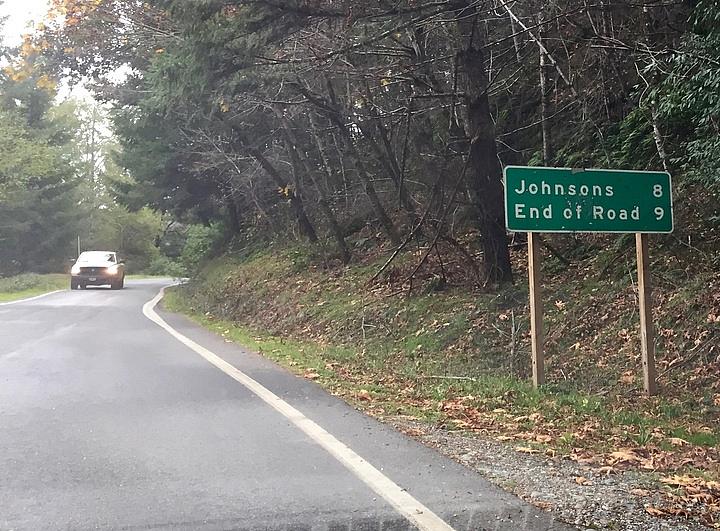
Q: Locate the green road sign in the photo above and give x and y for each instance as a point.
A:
(567, 200)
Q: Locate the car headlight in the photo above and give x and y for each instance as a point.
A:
(112, 270)
(75, 270)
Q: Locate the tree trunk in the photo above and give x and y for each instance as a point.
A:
(385, 221)
(654, 82)
(334, 116)
(545, 84)
(387, 155)
(485, 176)
(296, 203)
(306, 227)
(233, 215)
(298, 159)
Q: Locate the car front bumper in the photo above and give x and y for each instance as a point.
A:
(96, 280)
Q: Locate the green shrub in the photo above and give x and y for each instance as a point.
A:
(162, 265)
(201, 241)
(20, 282)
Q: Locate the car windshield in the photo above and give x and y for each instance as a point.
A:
(96, 256)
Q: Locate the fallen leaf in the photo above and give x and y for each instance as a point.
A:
(527, 450)
(624, 456)
(628, 377)
(607, 470)
(639, 492)
(364, 394)
(412, 432)
(581, 480)
(655, 511)
(544, 505)
(311, 375)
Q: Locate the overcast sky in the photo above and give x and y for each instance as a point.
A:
(20, 13)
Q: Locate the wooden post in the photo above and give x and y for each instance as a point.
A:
(536, 309)
(647, 334)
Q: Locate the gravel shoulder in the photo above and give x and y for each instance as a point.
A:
(578, 495)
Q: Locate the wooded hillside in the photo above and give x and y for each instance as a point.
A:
(319, 118)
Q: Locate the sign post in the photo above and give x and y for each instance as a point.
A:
(537, 334)
(602, 201)
(647, 332)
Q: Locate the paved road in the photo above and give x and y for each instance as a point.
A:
(107, 421)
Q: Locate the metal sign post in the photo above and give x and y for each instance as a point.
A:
(602, 201)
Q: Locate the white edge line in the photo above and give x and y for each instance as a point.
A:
(410, 508)
(32, 298)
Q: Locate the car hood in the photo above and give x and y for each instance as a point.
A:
(95, 263)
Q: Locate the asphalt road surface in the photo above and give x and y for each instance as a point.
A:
(110, 421)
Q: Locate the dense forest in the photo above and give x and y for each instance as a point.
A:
(316, 119)
(320, 118)
(54, 174)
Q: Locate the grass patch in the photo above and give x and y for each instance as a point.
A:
(30, 285)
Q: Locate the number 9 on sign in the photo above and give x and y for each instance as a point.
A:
(659, 213)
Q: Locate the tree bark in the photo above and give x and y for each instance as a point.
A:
(298, 159)
(545, 84)
(485, 177)
(296, 203)
(234, 220)
(654, 118)
(387, 155)
(334, 116)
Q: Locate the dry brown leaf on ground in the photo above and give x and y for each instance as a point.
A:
(692, 482)
(582, 480)
(695, 497)
(412, 432)
(527, 450)
(628, 377)
(607, 470)
(584, 457)
(544, 505)
(655, 511)
(364, 394)
(624, 456)
(311, 374)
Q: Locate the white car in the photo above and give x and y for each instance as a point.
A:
(97, 268)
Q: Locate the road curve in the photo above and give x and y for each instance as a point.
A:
(108, 421)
